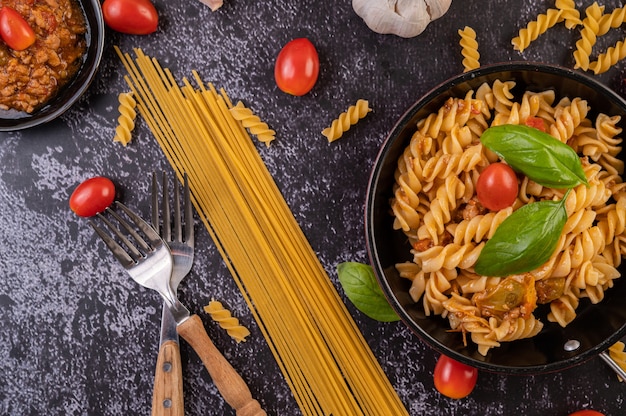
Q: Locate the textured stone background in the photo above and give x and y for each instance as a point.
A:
(79, 337)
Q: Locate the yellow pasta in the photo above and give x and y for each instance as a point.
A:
(570, 13)
(126, 119)
(253, 123)
(612, 56)
(617, 353)
(224, 318)
(469, 48)
(588, 35)
(324, 358)
(342, 124)
(536, 28)
(436, 207)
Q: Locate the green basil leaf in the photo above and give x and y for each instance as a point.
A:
(536, 154)
(360, 285)
(524, 241)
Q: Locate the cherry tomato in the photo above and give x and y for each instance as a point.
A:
(454, 379)
(297, 67)
(134, 17)
(92, 196)
(15, 30)
(586, 413)
(497, 186)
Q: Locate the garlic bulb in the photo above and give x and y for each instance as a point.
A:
(404, 18)
(213, 4)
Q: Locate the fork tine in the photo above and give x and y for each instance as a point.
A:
(153, 237)
(155, 202)
(120, 254)
(189, 238)
(177, 225)
(166, 229)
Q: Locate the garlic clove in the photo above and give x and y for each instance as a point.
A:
(213, 4)
(404, 18)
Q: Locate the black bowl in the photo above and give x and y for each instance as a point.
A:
(596, 327)
(11, 120)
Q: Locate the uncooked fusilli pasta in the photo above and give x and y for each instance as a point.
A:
(570, 13)
(223, 317)
(469, 48)
(342, 124)
(588, 35)
(617, 353)
(536, 28)
(253, 123)
(126, 119)
(436, 207)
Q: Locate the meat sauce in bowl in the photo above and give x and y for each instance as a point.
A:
(29, 78)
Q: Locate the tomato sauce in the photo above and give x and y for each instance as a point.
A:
(29, 78)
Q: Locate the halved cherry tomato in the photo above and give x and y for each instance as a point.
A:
(454, 379)
(586, 413)
(92, 196)
(497, 186)
(297, 67)
(134, 17)
(15, 30)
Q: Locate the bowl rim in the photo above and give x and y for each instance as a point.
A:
(95, 37)
(371, 243)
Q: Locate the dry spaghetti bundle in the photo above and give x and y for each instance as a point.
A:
(323, 356)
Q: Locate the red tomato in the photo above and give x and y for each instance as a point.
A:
(536, 122)
(297, 67)
(92, 196)
(586, 413)
(497, 186)
(15, 30)
(454, 379)
(135, 17)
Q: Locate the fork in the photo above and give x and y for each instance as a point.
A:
(150, 264)
(167, 398)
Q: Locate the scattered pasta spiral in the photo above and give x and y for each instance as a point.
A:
(469, 48)
(588, 36)
(342, 124)
(617, 353)
(223, 317)
(606, 60)
(253, 123)
(536, 28)
(126, 119)
(570, 13)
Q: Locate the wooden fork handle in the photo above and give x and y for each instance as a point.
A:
(230, 384)
(167, 398)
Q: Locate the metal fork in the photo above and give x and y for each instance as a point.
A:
(149, 262)
(167, 397)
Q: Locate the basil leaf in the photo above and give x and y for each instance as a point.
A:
(536, 154)
(524, 241)
(360, 285)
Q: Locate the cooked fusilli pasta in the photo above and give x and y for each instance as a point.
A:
(253, 123)
(469, 48)
(223, 317)
(126, 119)
(435, 206)
(342, 124)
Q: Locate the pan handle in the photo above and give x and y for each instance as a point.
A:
(613, 364)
